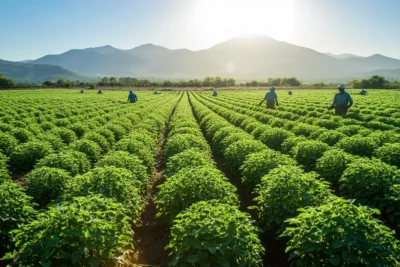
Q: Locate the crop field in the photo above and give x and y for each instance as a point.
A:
(183, 178)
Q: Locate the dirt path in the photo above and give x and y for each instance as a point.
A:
(151, 236)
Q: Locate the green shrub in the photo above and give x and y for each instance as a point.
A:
(350, 130)
(214, 234)
(22, 135)
(111, 182)
(382, 138)
(98, 139)
(191, 158)
(286, 189)
(389, 153)
(25, 155)
(357, 145)
(231, 138)
(308, 152)
(4, 175)
(138, 149)
(224, 132)
(146, 139)
(328, 124)
(332, 164)
(122, 159)
(79, 129)
(82, 232)
(186, 130)
(56, 142)
(340, 234)
(289, 144)
(305, 129)
(117, 130)
(7, 143)
(258, 131)
(236, 153)
(391, 205)
(179, 143)
(108, 134)
(331, 137)
(88, 147)
(261, 163)
(191, 185)
(368, 181)
(274, 137)
(46, 184)
(74, 162)
(16, 208)
(68, 136)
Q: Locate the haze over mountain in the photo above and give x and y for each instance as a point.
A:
(242, 58)
(36, 72)
(342, 56)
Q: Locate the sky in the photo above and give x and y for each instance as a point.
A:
(30, 29)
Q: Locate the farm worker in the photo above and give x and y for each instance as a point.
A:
(155, 92)
(214, 93)
(82, 91)
(100, 92)
(132, 98)
(271, 98)
(363, 92)
(341, 102)
(290, 93)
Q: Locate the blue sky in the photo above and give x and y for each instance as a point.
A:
(33, 28)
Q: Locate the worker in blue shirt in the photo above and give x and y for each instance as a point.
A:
(363, 92)
(100, 92)
(214, 93)
(341, 102)
(82, 91)
(271, 97)
(132, 98)
(290, 93)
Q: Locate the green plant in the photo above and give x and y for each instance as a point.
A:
(88, 147)
(308, 152)
(117, 130)
(46, 184)
(79, 128)
(191, 185)
(331, 137)
(181, 142)
(261, 163)
(289, 144)
(122, 159)
(274, 137)
(357, 145)
(214, 234)
(68, 136)
(340, 234)
(367, 181)
(16, 208)
(138, 149)
(389, 153)
(391, 205)
(82, 232)
(56, 142)
(236, 152)
(111, 182)
(7, 143)
(98, 139)
(192, 158)
(74, 162)
(22, 135)
(286, 189)
(25, 155)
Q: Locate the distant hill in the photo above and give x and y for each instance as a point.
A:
(36, 73)
(341, 56)
(259, 57)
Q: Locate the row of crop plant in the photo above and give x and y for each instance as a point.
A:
(320, 229)
(89, 222)
(200, 204)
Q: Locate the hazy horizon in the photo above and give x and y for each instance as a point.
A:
(38, 28)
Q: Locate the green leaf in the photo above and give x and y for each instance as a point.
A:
(192, 258)
(336, 243)
(354, 259)
(94, 262)
(75, 257)
(335, 260)
(345, 256)
(45, 263)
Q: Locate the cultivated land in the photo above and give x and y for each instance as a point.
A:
(90, 180)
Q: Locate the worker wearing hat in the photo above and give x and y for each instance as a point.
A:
(271, 98)
(341, 102)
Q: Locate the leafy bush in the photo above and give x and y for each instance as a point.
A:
(331, 137)
(117, 130)
(82, 232)
(304, 129)
(122, 159)
(391, 205)
(308, 152)
(179, 143)
(231, 138)
(46, 184)
(7, 143)
(98, 139)
(88, 147)
(108, 134)
(138, 149)
(68, 136)
(258, 131)
(74, 162)
(261, 163)
(350, 130)
(186, 130)
(286, 189)
(382, 138)
(22, 135)
(111, 182)
(367, 181)
(192, 158)
(361, 146)
(328, 124)
(79, 129)
(340, 234)
(16, 208)
(332, 164)
(25, 155)
(191, 185)
(214, 234)
(289, 144)
(389, 153)
(56, 142)
(236, 152)
(224, 132)
(274, 137)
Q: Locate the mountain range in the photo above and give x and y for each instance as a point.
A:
(258, 58)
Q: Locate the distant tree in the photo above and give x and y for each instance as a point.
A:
(63, 83)
(48, 84)
(5, 82)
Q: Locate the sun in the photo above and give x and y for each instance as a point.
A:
(214, 18)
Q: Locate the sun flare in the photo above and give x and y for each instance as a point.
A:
(274, 18)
